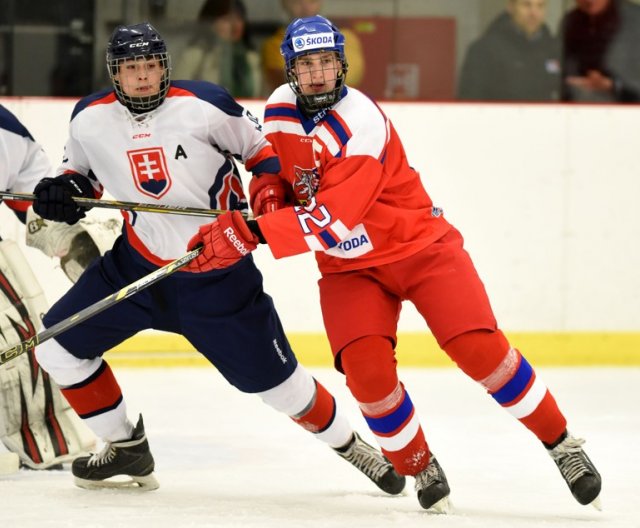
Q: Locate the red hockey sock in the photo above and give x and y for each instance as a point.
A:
(97, 394)
(320, 413)
(487, 358)
(370, 366)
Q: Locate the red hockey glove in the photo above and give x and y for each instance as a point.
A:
(268, 193)
(225, 241)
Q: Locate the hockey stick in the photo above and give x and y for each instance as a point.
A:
(88, 203)
(94, 309)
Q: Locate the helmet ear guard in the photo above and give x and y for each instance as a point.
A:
(314, 34)
(138, 42)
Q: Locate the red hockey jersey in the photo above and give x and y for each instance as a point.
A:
(360, 203)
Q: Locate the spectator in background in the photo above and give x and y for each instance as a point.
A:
(601, 51)
(517, 58)
(272, 62)
(5, 64)
(221, 52)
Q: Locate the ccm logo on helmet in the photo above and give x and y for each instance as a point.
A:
(315, 41)
(138, 44)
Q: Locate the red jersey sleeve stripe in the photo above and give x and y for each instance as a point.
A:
(265, 158)
(273, 119)
(281, 112)
(17, 205)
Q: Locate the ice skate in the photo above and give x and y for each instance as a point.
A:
(121, 464)
(373, 464)
(433, 488)
(578, 471)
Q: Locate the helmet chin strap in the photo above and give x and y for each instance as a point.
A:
(317, 102)
(313, 103)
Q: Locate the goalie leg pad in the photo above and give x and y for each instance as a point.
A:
(36, 422)
(22, 301)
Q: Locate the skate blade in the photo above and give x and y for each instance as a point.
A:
(442, 507)
(596, 503)
(131, 483)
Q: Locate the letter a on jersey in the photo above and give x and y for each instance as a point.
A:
(149, 171)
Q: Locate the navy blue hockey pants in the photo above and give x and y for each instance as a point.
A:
(224, 314)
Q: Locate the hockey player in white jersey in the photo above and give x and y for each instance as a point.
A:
(172, 142)
(36, 422)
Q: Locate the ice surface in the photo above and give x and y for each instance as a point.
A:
(225, 459)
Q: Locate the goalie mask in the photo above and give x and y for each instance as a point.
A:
(318, 36)
(139, 66)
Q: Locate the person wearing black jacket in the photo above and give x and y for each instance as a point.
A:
(601, 51)
(516, 59)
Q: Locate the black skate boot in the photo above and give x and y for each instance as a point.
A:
(577, 470)
(373, 464)
(433, 488)
(130, 459)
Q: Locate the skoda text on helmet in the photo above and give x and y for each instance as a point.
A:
(139, 43)
(314, 34)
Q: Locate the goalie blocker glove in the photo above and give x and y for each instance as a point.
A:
(54, 198)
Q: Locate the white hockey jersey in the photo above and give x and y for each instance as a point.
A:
(23, 163)
(181, 154)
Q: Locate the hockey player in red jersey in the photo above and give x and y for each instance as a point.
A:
(174, 142)
(379, 240)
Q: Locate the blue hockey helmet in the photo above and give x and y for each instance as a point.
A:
(138, 42)
(314, 34)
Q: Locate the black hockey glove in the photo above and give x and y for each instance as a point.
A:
(54, 198)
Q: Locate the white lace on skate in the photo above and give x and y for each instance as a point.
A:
(366, 459)
(105, 456)
(428, 476)
(108, 452)
(568, 457)
(572, 462)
